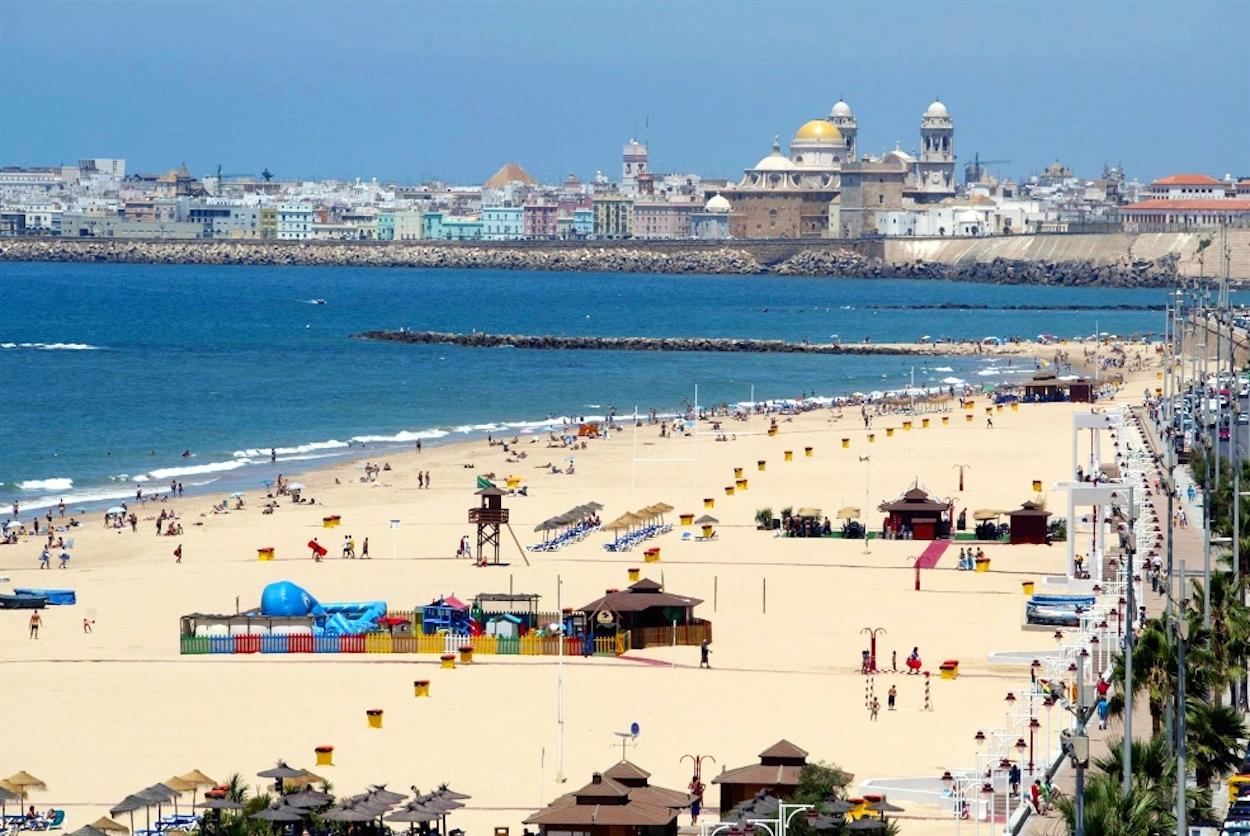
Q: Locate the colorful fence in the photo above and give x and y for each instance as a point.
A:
(386, 643)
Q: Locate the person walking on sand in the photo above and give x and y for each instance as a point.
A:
(418, 446)
(87, 624)
(890, 696)
(704, 653)
(364, 549)
(873, 709)
(36, 621)
(427, 480)
(45, 559)
(989, 422)
(420, 479)
(64, 560)
(178, 554)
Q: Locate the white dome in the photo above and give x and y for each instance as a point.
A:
(776, 161)
(841, 109)
(717, 203)
(936, 109)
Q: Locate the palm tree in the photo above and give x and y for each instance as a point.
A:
(1211, 734)
(1154, 671)
(1144, 811)
(1153, 764)
(1229, 639)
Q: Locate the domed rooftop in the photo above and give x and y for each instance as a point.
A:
(841, 109)
(717, 203)
(937, 109)
(818, 130)
(776, 161)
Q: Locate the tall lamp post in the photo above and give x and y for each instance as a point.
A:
(1182, 636)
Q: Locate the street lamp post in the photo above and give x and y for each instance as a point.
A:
(1182, 635)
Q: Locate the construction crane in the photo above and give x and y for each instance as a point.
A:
(221, 179)
(975, 170)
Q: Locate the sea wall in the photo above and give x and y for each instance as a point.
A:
(1113, 260)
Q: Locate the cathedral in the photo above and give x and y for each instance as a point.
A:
(824, 189)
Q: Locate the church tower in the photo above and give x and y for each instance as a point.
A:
(937, 153)
(844, 121)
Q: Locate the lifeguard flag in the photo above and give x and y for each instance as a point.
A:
(483, 483)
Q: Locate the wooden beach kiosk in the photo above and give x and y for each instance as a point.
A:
(925, 516)
(1028, 524)
(617, 802)
(777, 774)
(650, 615)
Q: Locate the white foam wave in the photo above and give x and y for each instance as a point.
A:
(52, 346)
(259, 452)
(73, 499)
(195, 469)
(943, 369)
(54, 484)
(406, 435)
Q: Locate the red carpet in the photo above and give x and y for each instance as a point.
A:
(932, 553)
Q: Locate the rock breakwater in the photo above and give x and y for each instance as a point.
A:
(793, 258)
(681, 344)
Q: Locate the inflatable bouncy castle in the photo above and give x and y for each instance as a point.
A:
(283, 598)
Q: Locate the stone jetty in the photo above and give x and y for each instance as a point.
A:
(992, 263)
(681, 344)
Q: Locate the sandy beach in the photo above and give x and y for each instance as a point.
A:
(100, 715)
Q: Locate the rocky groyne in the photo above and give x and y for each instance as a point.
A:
(792, 258)
(679, 344)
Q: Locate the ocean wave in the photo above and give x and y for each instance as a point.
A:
(76, 498)
(943, 369)
(311, 447)
(191, 470)
(400, 437)
(52, 346)
(55, 484)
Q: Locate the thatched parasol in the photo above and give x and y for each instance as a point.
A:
(445, 791)
(348, 813)
(866, 824)
(983, 514)
(883, 806)
(379, 792)
(850, 512)
(26, 781)
(197, 779)
(279, 774)
(106, 824)
(88, 830)
(305, 779)
(218, 804)
(278, 812)
(7, 794)
(308, 798)
(707, 519)
(664, 507)
(129, 804)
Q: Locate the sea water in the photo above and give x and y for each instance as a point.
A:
(111, 373)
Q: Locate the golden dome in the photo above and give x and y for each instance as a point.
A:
(818, 130)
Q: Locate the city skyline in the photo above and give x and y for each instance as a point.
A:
(413, 92)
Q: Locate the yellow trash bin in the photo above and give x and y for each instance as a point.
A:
(466, 654)
(924, 423)
(1015, 406)
(788, 455)
(687, 519)
(447, 661)
(325, 755)
(375, 718)
(331, 522)
(1037, 485)
(1027, 586)
(872, 437)
(265, 553)
(998, 407)
(421, 688)
(729, 490)
(907, 426)
(889, 432)
(808, 451)
(740, 484)
(709, 502)
(737, 473)
(634, 573)
(707, 532)
(651, 555)
(846, 442)
(968, 418)
(760, 465)
(949, 669)
(772, 429)
(946, 419)
(983, 564)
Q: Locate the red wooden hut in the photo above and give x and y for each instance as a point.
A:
(925, 516)
(1029, 523)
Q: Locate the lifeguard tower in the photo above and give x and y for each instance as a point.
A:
(489, 517)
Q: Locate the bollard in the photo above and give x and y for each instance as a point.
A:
(421, 687)
(374, 716)
(928, 701)
(325, 755)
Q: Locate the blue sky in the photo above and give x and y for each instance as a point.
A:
(408, 91)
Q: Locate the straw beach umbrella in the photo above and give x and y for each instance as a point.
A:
(7, 795)
(379, 792)
(217, 805)
(850, 512)
(128, 805)
(280, 773)
(26, 781)
(307, 798)
(197, 779)
(445, 791)
(88, 830)
(179, 786)
(109, 826)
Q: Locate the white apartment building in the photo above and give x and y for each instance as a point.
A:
(295, 221)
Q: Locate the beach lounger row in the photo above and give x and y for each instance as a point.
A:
(573, 535)
(627, 541)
